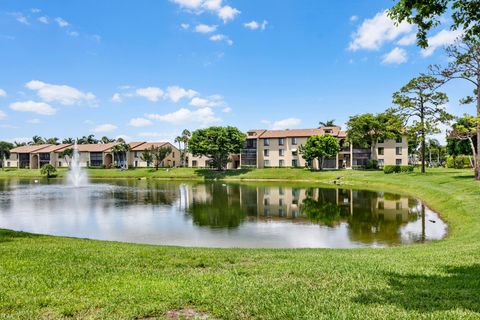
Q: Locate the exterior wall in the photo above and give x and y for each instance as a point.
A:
(288, 157)
(171, 161)
(202, 162)
(390, 155)
(12, 161)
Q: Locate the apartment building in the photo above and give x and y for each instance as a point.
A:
(91, 155)
(280, 148)
(205, 162)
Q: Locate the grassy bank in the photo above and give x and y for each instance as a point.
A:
(44, 277)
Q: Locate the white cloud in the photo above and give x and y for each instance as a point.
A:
(407, 40)
(44, 20)
(202, 102)
(288, 123)
(203, 116)
(205, 28)
(3, 93)
(353, 18)
(117, 97)
(63, 94)
(140, 122)
(176, 93)
(396, 56)
(20, 18)
(107, 127)
(151, 93)
(3, 115)
(73, 33)
(441, 39)
(35, 107)
(185, 26)
(221, 37)
(227, 110)
(374, 32)
(35, 10)
(254, 25)
(61, 22)
(34, 121)
(227, 13)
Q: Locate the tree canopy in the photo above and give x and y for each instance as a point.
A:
(216, 143)
(421, 102)
(320, 148)
(5, 148)
(426, 14)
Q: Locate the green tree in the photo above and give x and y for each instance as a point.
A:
(159, 154)
(5, 148)
(419, 100)
(120, 151)
(68, 141)
(320, 148)
(465, 65)
(366, 129)
(147, 156)
(427, 14)
(67, 155)
(36, 140)
(54, 140)
(216, 143)
(328, 123)
(106, 140)
(48, 170)
(466, 129)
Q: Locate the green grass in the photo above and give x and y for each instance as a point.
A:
(43, 277)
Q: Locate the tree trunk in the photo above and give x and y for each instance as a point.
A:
(477, 167)
(422, 119)
(472, 145)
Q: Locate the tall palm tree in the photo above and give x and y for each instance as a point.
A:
(106, 140)
(5, 148)
(328, 123)
(68, 141)
(186, 135)
(120, 151)
(54, 140)
(37, 140)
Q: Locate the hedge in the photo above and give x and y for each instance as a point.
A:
(388, 169)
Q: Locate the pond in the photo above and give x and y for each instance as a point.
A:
(217, 214)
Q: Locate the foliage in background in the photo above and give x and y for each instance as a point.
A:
(319, 148)
(5, 148)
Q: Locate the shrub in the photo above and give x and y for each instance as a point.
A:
(372, 164)
(406, 169)
(458, 162)
(451, 162)
(48, 170)
(388, 169)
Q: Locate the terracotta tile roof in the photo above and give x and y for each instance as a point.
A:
(149, 145)
(29, 149)
(268, 134)
(100, 147)
(53, 148)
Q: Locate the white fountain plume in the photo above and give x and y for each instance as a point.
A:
(76, 176)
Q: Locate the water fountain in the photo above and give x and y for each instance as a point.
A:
(76, 176)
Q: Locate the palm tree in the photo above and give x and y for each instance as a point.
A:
(120, 151)
(186, 135)
(5, 148)
(67, 155)
(54, 140)
(37, 140)
(328, 123)
(106, 140)
(68, 141)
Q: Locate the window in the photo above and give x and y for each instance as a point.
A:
(281, 163)
(173, 163)
(398, 162)
(281, 191)
(294, 153)
(59, 163)
(8, 164)
(281, 152)
(398, 151)
(281, 212)
(266, 142)
(266, 201)
(328, 131)
(398, 140)
(266, 211)
(194, 163)
(381, 163)
(173, 154)
(398, 205)
(266, 152)
(294, 163)
(281, 141)
(280, 202)
(136, 154)
(381, 151)
(136, 163)
(266, 163)
(294, 141)
(96, 159)
(381, 205)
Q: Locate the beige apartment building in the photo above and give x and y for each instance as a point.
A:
(91, 155)
(280, 148)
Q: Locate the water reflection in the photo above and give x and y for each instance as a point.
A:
(217, 214)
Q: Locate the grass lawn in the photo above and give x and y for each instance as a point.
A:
(43, 277)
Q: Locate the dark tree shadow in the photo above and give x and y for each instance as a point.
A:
(9, 235)
(458, 289)
(215, 174)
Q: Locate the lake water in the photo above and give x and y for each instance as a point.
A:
(217, 214)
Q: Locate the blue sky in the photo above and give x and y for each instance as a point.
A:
(145, 70)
